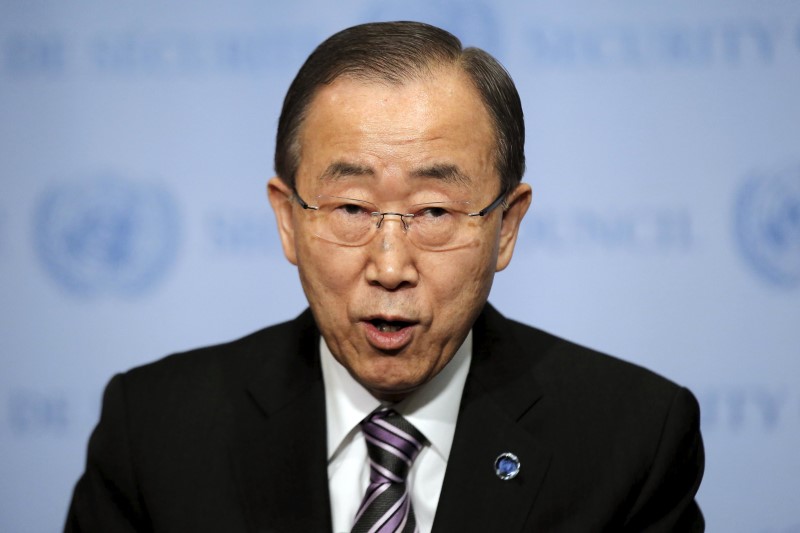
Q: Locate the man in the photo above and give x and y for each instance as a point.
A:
(401, 401)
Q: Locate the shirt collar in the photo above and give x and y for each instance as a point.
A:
(432, 409)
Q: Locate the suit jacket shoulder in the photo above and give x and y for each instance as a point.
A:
(236, 361)
(208, 440)
(604, 445)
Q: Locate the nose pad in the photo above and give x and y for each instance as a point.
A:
(384, 215)
(391, 263)
(390, 231)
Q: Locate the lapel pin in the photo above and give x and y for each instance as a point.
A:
(506, 466)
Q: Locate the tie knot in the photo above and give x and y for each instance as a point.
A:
(392, 444)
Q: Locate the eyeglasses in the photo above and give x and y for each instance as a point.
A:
(433, 226)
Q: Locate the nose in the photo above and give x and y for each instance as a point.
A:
(391, 257)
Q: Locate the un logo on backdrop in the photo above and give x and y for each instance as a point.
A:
(106, 235)
(768, 225)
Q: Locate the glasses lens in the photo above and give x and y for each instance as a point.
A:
(432, 226)
(344, 220)
(441, 225)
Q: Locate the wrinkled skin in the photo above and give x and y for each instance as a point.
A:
(389, 137)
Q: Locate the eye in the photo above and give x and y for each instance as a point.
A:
(432, 212)
(349, 209)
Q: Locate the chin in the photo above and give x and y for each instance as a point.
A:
(394, 390)
(391, 394)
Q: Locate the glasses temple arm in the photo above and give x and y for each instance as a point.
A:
(492, 206)
(303, 204)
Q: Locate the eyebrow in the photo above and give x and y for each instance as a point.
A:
(445, 172)
(441, 171)
(342, 169)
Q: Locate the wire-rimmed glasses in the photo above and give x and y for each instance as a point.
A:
(434, 226)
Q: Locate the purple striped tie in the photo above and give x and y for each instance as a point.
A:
(392, 444)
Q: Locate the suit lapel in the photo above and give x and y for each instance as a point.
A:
(279, 450)
(500, 391)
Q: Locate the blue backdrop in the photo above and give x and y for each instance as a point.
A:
(136, 139)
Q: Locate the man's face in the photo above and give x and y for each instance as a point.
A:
(394, 314)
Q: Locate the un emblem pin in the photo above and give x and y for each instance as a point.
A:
(106, 235)
(768, 225)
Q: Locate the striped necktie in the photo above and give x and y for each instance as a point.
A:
(392, 444)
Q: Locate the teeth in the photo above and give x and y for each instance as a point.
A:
(386, 327)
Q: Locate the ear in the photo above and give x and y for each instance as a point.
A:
(518, 203)
(280, 197)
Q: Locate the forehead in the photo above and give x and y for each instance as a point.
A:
(434, 127)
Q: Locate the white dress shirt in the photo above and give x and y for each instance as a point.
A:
(432, 409)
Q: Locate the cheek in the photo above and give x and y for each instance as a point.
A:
(461, 277)
(328, 273)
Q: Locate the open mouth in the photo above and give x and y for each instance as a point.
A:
(389, 326)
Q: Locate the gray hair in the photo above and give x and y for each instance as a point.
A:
(396, 52)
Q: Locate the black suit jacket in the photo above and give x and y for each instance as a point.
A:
(232, 438)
